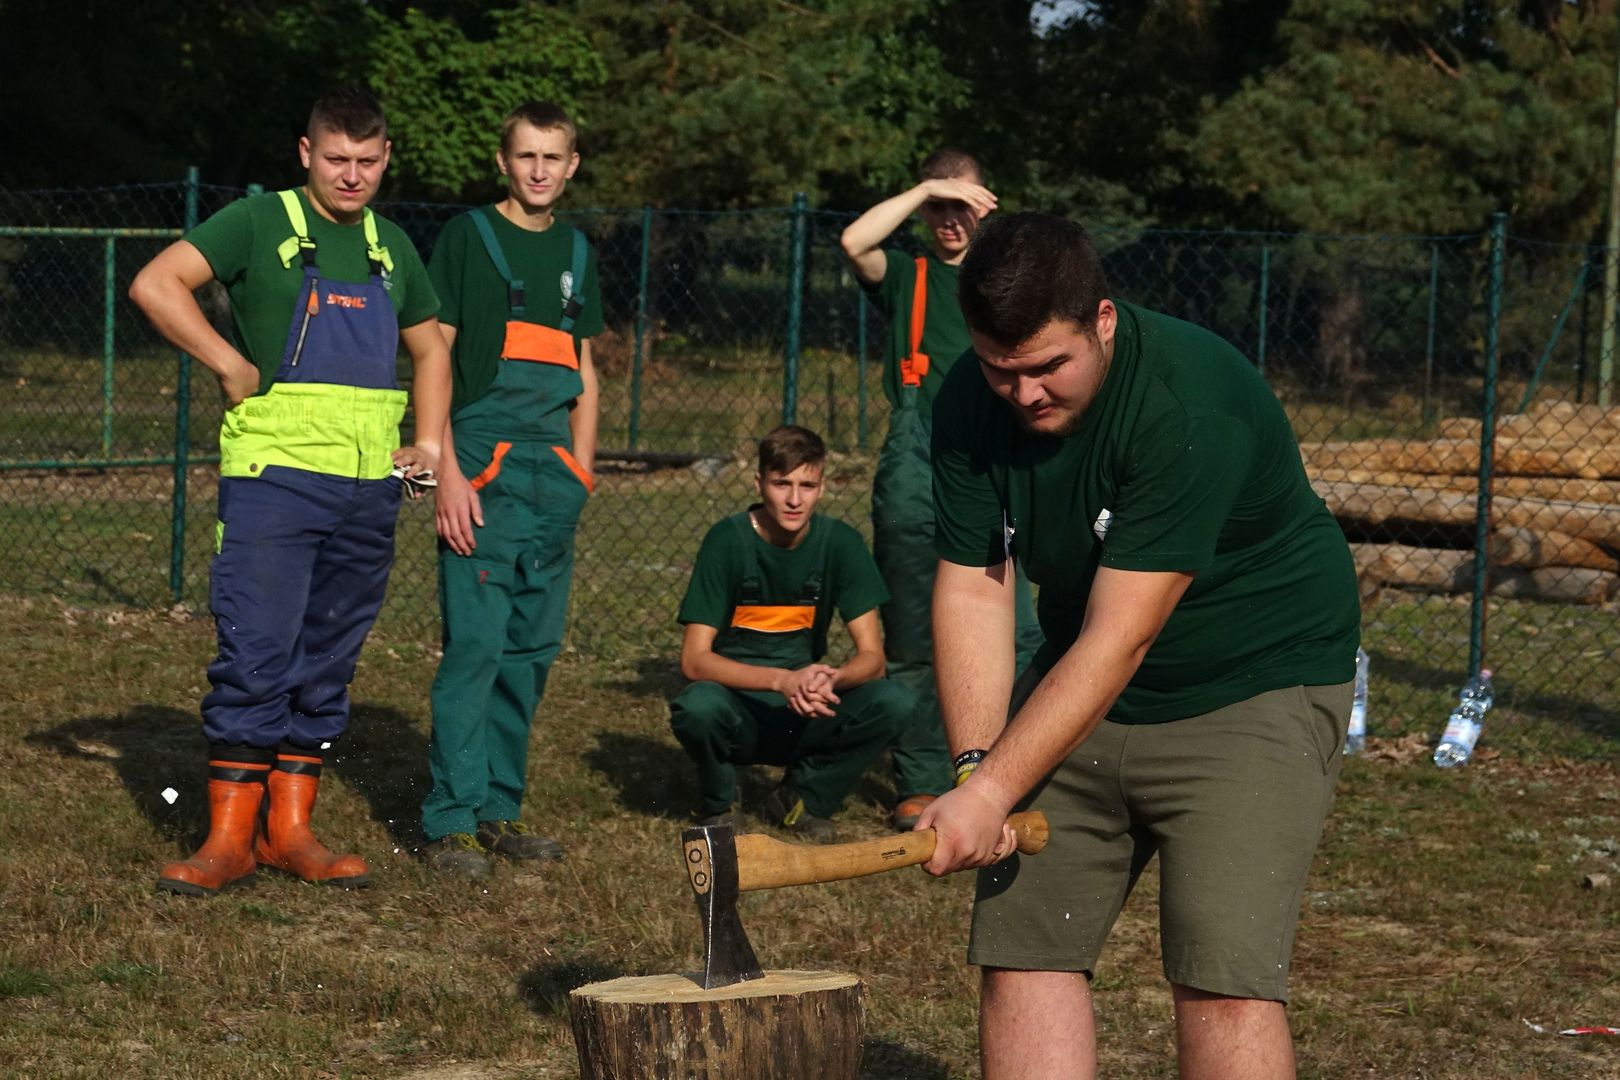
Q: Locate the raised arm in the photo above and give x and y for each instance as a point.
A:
(863, 238)
(164, 290)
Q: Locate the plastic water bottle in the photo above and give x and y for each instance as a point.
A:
(1465, 722)
(1355, 739)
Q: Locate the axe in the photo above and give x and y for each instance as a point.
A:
(721, 865)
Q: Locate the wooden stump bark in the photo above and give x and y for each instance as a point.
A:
(787, 1025)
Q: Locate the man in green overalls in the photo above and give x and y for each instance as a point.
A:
(520, 305)
(322, 291)
(926, 335)
(763, 592)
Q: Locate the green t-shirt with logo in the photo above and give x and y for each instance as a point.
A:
(1185, 461)
(240, 245)
(474, 295)
(945, 334)
(850, 584)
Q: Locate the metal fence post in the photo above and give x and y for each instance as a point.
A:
(1428, 347)
(641, 327)
(860, 369)
(1265, 288)
(108, 274)
(1487, 443)
(182, 434)
(795, 306)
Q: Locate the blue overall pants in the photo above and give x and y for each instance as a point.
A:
(306, 521)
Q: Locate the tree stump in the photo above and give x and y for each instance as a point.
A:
(786, 1025)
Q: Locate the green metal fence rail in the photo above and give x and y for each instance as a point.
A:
(1390, 355)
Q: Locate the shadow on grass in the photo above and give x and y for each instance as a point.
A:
(885, 1060)
(649, 776)
(155, 748)
(545, 988)
(655, 676)
(1564, 709)
(384, 757)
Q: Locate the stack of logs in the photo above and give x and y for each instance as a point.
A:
(1408, 507)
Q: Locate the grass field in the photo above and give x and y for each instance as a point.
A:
(1445, 910)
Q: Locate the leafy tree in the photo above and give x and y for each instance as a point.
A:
(446, 92)
(735, 103)
(1409, 116)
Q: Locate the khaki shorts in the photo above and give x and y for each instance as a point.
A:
(1233, 804)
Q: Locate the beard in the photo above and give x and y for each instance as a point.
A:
(1060, 426)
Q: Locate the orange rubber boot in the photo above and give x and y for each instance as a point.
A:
(285, 841)
(225, 860)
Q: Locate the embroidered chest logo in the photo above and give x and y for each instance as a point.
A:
(339, 300)
(1100, 526)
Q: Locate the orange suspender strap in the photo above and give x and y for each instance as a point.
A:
(915, 364)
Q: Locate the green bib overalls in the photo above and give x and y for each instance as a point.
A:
(504, 606)
(722, 728)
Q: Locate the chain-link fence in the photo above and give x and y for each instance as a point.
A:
(1419, 372)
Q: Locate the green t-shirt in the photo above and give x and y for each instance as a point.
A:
(850, 583)
(240, 245)
(474, 294)
(1184, 461)
(945, 334)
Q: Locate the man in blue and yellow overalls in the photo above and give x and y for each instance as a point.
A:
(520, 307)
(763, 591)
(926, 336)
(322, 291)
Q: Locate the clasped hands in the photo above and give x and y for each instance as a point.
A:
(809, 690)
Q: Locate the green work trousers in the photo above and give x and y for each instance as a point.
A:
(503, 608)
(903, 545)
(824, 756)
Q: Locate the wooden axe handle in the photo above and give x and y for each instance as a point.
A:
(764, 863)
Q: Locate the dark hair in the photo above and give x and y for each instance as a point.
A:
(948, 162)
(788, 447)
(352, 110)
(543, 115)
(1026, 269)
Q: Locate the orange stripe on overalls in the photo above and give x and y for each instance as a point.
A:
(493, 469)
(914, 366)
(774, 618)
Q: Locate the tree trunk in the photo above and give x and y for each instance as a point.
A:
(1339, 347)
(787, 1025)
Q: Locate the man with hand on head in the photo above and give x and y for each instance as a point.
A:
(762, 596)
(926, 336)
(322, 291)
(520, 307)
(1201, 619)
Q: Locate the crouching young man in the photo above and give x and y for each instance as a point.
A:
(762, 594)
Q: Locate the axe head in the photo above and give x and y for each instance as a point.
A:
(711, 863)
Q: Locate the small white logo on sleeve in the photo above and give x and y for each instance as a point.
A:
(1100, 526)
(1007, 531)
(567, 282)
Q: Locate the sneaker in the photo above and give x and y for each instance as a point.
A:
(513, 840)
(908, 810)
(784, 807)
(733, 817)
(457, 855)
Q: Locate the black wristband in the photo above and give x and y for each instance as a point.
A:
(968, 757)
